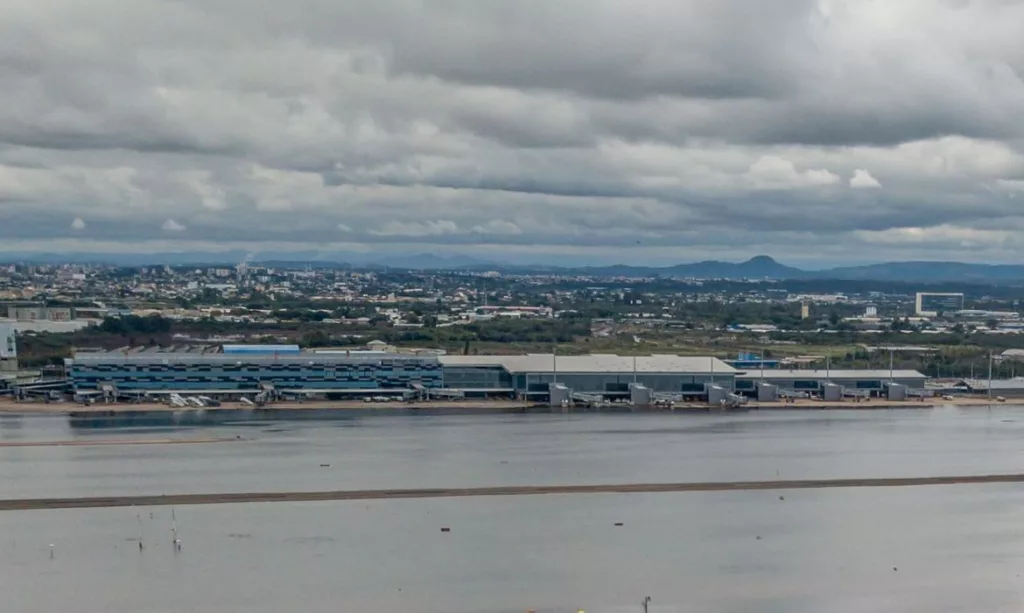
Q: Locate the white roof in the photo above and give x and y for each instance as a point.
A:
(597, 363)
(821, 373)
(1016, 383)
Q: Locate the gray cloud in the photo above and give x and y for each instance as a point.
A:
(668, 129)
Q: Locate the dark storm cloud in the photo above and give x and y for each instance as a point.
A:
(833, 124)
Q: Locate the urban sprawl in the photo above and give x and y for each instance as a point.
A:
(258, 334)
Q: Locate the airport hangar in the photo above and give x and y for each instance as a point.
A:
(869, 383)
(241, 370)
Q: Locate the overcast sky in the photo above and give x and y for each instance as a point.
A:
(587, 130)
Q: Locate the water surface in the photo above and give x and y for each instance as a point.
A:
(949, 548)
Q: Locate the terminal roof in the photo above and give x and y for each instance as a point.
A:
(834, 373)
(594, 363)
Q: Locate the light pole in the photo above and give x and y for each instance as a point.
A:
(990, 375)
(890, 365)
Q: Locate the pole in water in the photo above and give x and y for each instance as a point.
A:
(51, 551)
(174, 528)
(646, 601)
(138, 520)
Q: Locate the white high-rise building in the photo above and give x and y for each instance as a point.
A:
(8, 346)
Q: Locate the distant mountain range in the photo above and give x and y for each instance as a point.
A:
(760, 267)
(765, 267)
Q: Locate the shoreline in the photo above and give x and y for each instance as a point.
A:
(480, 407)
(28, 504)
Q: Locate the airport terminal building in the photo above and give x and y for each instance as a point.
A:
(814, 382)
(244, 369)
(239, 370)
(607, 376)
(286, 370)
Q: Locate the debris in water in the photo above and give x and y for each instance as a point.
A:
(446, 529)
(759, 537)
(618, 523)
(324, 465)
(893, 569)
(782, 497)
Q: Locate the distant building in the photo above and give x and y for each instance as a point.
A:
(39, 313)
(805, 311)
(931, 304)
(8, 347)
(978, 315)
(745, 360)
(271, 350)
(871, 311)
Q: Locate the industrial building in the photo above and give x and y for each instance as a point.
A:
(39, 313)
(1005, 388)
(846, 382)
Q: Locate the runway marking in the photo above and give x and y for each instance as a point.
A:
(536, 490)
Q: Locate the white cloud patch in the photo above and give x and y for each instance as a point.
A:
(941, 235)
(1012, 185)
(862, 179)
(417, 228)
(773, 172)
(344, 228)
(172, 226)
(78, 224)
(497, 226)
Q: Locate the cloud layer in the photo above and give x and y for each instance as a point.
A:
(649, 130)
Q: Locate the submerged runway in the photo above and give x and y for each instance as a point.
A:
(116, 442)
(538, 490)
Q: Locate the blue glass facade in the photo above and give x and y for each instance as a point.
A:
(248, 373)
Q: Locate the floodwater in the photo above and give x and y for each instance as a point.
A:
(937, 549)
